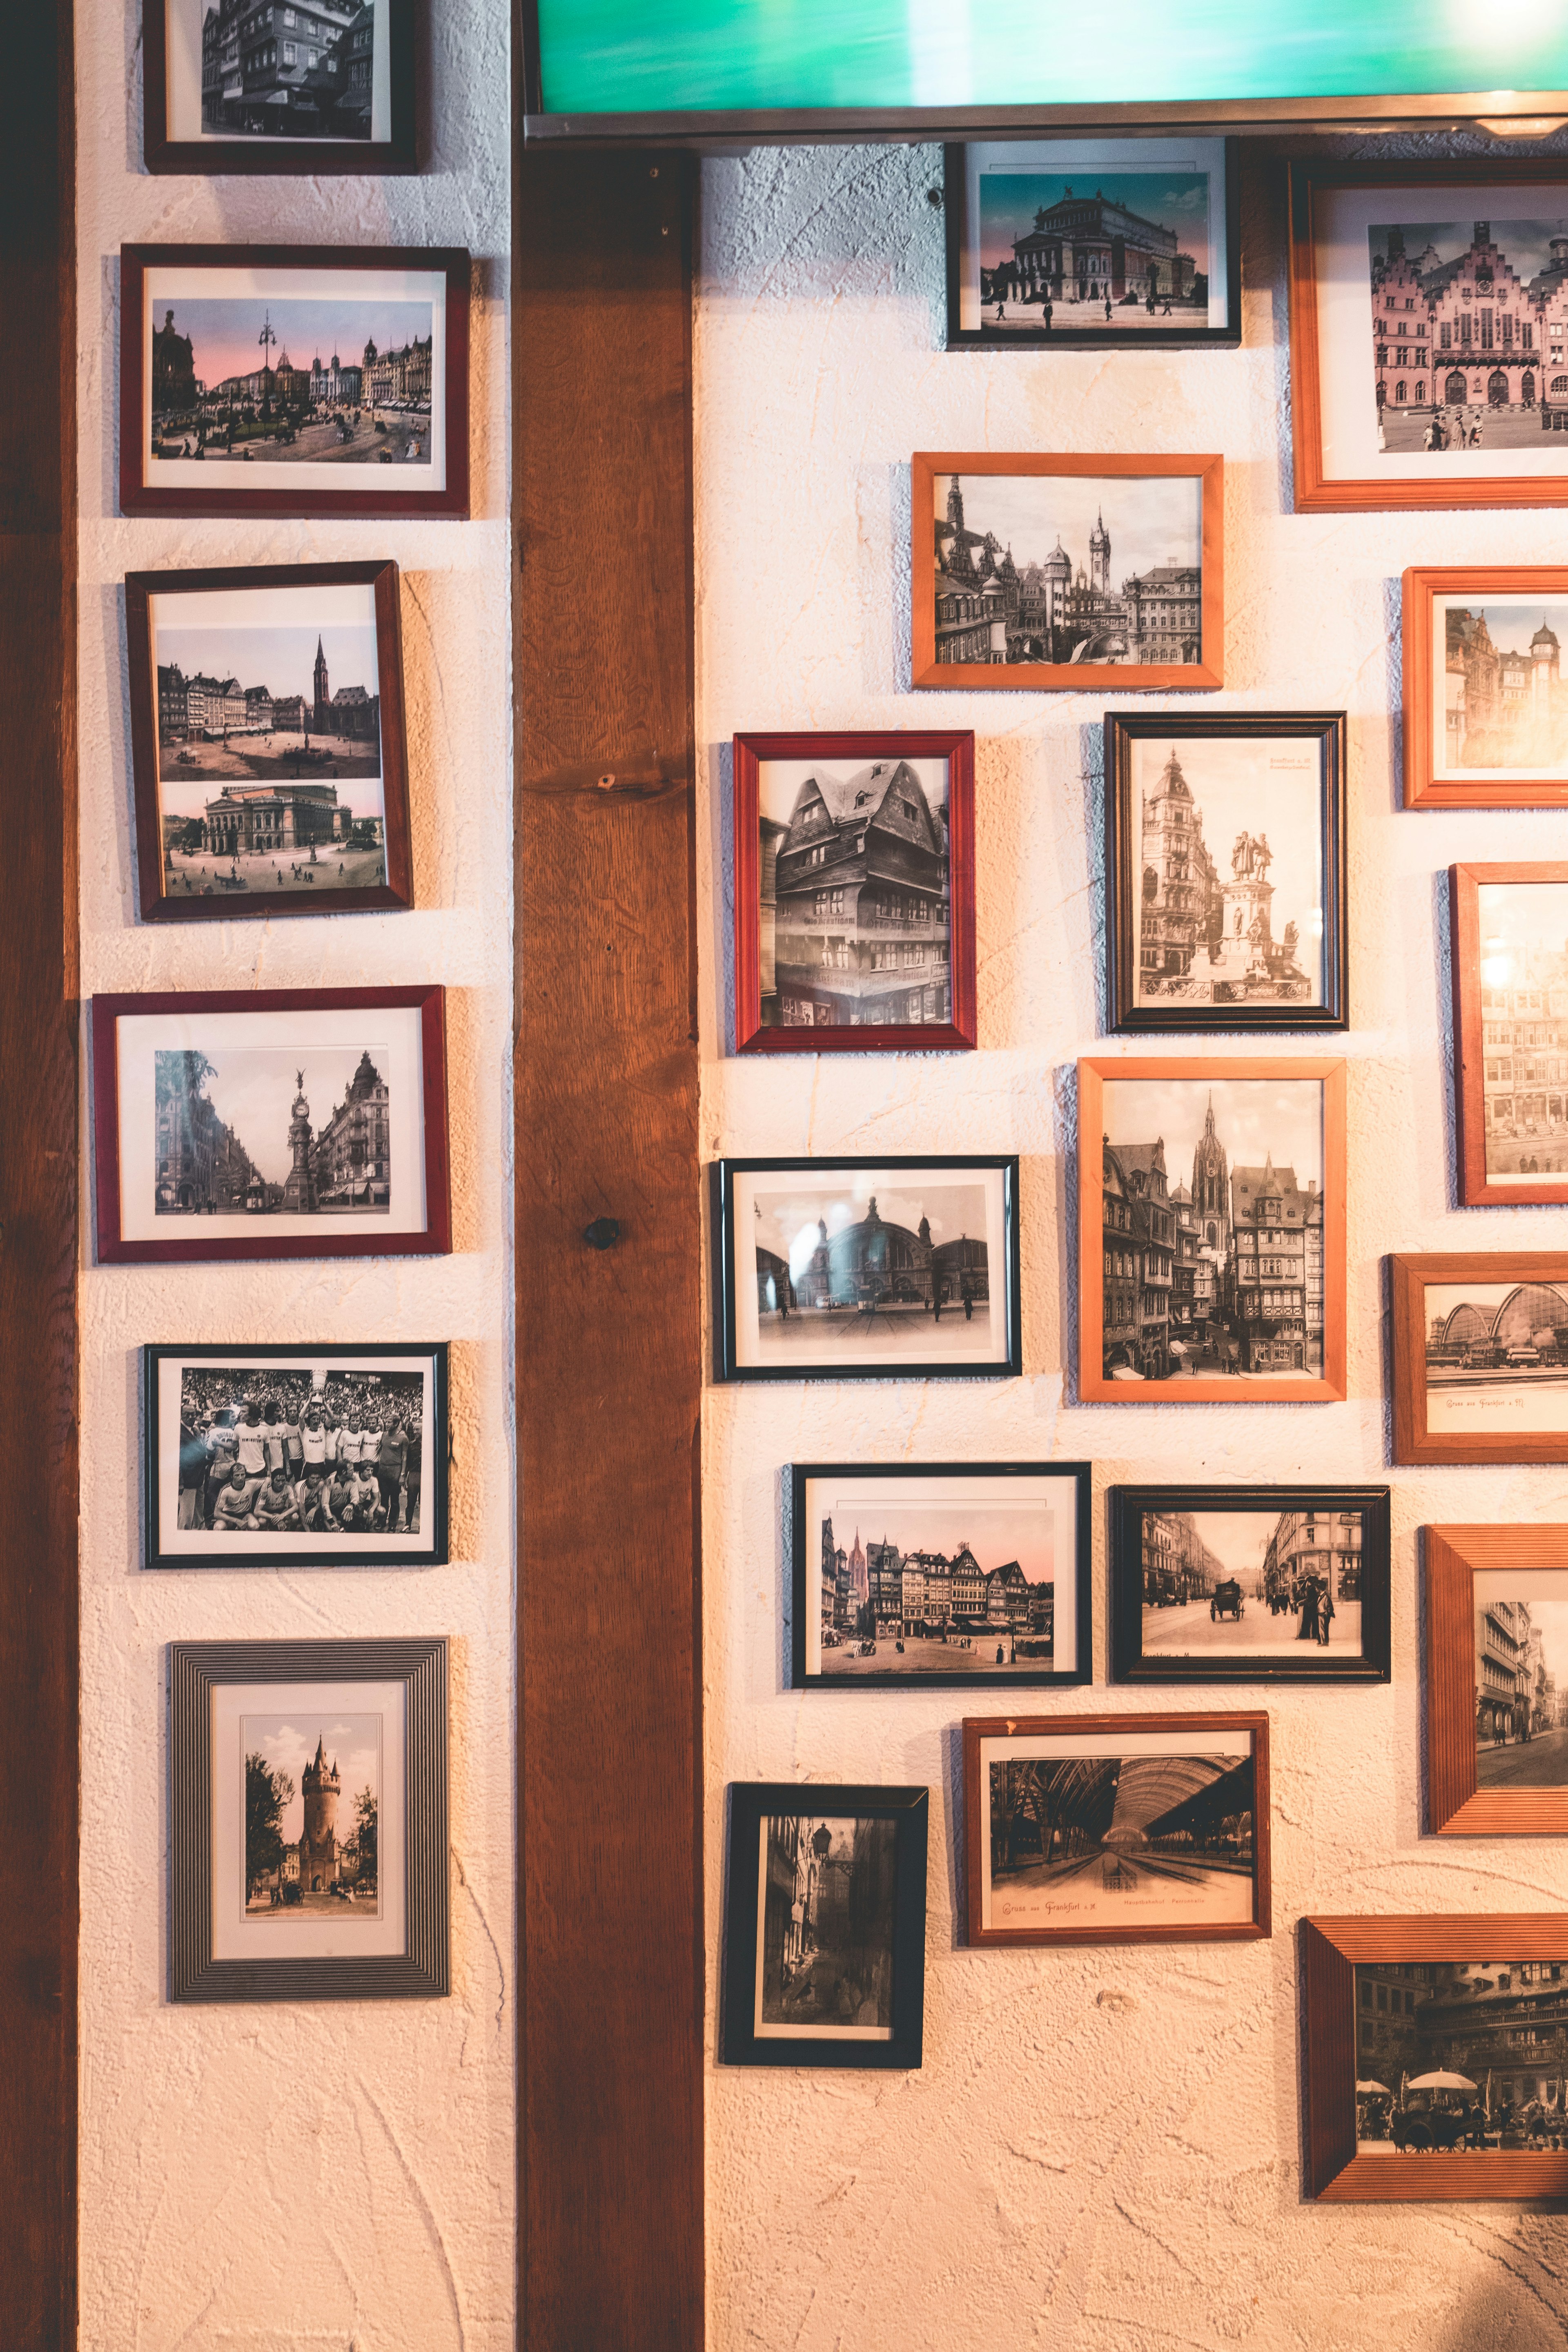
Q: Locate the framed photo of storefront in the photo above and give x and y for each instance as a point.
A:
(325, 1457)
(1485, 706)
(1249, 1584)
(329, 89)
(867, 1269)
(1510, 937)
(269, 745)
(293, 380)
(1082, 573)
(308, 1821)
(1211, 1230)
(1431, 2057)
(284, 1123)
(1428, 309)
(1496, 1665)
(1093, 242)
(854, 892)
(1225, 865)
(1480, 1356)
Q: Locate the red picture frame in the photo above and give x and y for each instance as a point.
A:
(435, 1240)
(956, 746)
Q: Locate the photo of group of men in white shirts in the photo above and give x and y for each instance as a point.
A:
(263, 1456)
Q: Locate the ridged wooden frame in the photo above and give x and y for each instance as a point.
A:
(1477, 1189)
(422, 1969)
(1331, 1950)
(1420, 587)
(1409, 1277)
(1456, 1807)
(297, 158)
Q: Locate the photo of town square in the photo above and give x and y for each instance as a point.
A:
(1524, 1027)
(243, 378)
(1250, 1583)
(1122, 248)
(1130, 1840)
(893, 1272)
(1497, 1356)
(1056, 569)
(935, 1582)
(311, 1818)
(1461, 2056)
(1212, 1212)
(235, 1134)
(1521, 1681)
(1503, 702)
(824, 1963)
(1467, 334)
(1210, 824)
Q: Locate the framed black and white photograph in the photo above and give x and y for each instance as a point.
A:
(1226, 871)
(1213, 1584)
(308, 1828)
(953, 1576)
(283, 1124)
(867, 1269)
(317, 86)
(825, 1926)
(1093, 242)
(269, 744)
(329, 1456)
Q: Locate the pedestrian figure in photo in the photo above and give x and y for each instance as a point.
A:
(936, 1302)
(1108, 309)
(1046, 308)
(1166, 312)
(1325, 1612)
(999, 313)
(1309, 1626)
(967, 1293)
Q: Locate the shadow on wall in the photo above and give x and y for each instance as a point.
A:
(1522, 2305)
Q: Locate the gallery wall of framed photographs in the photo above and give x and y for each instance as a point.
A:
(916, 519)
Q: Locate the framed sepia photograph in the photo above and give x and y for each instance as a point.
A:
(1092, 243)
(1213, 1584)
(308, 1821)
(293, 380)
(1497, 1681)
(326, 86)
(1511, 1018)
(867, 1269)
(326, 1456)
(1211, 1230)
(1054, 573)
(1115, 1829)
(1486, 704)
(1435, 2058)
(1225, 865)
(825, 1926)
(854, 892)
(283, 1123)
(959, 1575)
(1428, 303)
(267, 741)
(1480, 1356)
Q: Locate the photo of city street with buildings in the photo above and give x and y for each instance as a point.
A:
(1122, 248)
(875, 1271)
(1496, 1358)
(234, 1131)
(312, 1797)
(1212, 1212)
(323, 378)
(272, 72)
(826, 1907)
(1467, 334)
(1522, 1680)
(1523, 980)
(1461, 2056)
(1240, 1584)
(1500, 699)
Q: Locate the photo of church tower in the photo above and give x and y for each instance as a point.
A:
(318, 1846)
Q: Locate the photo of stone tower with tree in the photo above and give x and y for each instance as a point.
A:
(297, 1856)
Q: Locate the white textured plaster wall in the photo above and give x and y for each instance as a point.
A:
(1101, 2148)
(331, 2176)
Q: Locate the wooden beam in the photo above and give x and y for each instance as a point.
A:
(38, 1020)
(608, 1337)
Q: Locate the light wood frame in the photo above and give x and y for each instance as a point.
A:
(1456, 1805)
(1409, 1278)
(1044, 677)
(1093, 1387)
(1331, 1950)
(1478, 1190)
(1420, 587)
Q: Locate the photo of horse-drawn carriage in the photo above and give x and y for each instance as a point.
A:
(1225, 1600)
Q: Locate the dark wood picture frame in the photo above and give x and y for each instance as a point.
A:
(139, 496)
(296, 158)
(435, 1238)
(1110, 1727)
(955, 209)
(1130, 1663)
(1455, 1804)
(805, 1594)
(422, 1969)
(398, 1354)
(1409, 1277)
(1330, 1951)
(157, 905)
(1316, 491)
(1006, 1283)
(751, 1803)
(1047, 678)
(956, 746)
(1124, 1015)
(1093, 1387)
(1420, 587)
(1478, 1188)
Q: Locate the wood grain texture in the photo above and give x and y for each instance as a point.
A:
(1478, 1190)
(608, 1341)
(39, 1070)
(1454, 1806)
(1420, 588)
(1408, 1321)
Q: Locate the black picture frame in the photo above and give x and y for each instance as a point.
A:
(955, 210)
(434, 1501)
(293, 158)
(805, 1593)
(752, 1803)
(1124, 902)
(1126, 1507)
(422, 1969)
(727, 1366)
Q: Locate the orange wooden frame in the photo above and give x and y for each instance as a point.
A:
(1456, 1807)
(1408, 1329)
(1477, 1190)
(1420, 588)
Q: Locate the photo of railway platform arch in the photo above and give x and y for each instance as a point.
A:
(1497, 1356)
